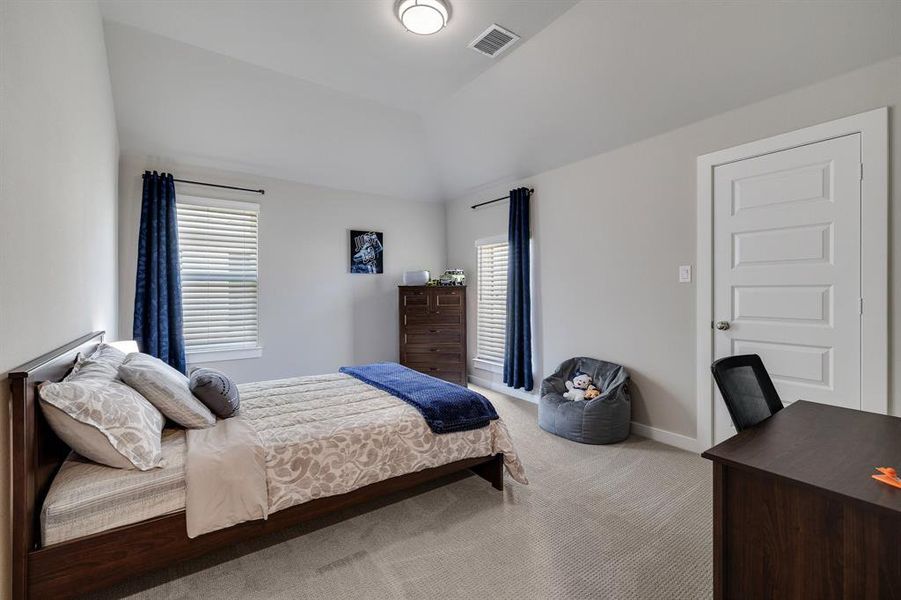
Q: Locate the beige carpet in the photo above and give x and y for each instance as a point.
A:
(630, 520)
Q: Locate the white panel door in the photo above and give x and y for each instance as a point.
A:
(787, 270)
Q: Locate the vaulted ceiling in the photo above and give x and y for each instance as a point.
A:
(338, 94)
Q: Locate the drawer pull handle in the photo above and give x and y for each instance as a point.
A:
(433, 330)
(433, 349)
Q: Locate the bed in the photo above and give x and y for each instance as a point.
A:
(79, 526)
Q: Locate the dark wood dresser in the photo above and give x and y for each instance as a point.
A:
(433, 330)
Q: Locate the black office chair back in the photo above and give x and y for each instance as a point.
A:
(747, 389)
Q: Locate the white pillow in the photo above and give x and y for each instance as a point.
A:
(103, 364)
(105, 421)
(166, 389)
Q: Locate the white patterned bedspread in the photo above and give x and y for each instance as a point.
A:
(330, 434)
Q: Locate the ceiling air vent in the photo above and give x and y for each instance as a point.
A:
(493, 41)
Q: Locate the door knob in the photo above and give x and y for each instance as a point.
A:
(722, 325)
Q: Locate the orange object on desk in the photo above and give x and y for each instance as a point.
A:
(888, 475)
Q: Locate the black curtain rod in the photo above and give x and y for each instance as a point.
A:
(531, 191)
(216, 185)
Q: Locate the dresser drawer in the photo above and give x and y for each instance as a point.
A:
(446, 298)
(434, 353)
(426, 334)
(459, 379)
(415, 316)
(415, 298)
(453, 373)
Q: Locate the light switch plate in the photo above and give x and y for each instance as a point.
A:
(685, 274)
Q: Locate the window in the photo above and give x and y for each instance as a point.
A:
(217, 243)
(492, 302)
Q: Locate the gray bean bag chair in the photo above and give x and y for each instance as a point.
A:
(603, 420)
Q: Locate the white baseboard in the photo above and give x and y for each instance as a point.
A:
(669, 438)
(502, 389)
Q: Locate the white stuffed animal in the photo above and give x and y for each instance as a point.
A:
(577, 387)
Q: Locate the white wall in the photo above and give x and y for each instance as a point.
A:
(207, 109)
(58, 172)
(610, 231)
(607, 74)
(314, 315)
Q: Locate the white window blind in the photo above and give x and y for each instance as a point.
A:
(492, 302)
(219, 266)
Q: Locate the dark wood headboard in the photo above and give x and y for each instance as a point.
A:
(36, 451)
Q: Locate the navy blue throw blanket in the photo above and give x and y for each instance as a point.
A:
(446, 407)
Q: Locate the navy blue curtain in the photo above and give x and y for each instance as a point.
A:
(518, 351)
(158, 312)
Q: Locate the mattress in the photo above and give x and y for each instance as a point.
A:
(87, 498)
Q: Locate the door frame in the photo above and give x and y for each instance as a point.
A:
(873, 129)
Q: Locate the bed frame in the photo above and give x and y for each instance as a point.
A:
(72, 568)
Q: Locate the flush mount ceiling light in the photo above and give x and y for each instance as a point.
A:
(423, 17)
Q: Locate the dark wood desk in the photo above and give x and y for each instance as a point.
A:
(796, 513)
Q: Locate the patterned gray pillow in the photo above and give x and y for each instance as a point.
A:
(216, 390)
(103, 364)
(129, 427)
(166, 389)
